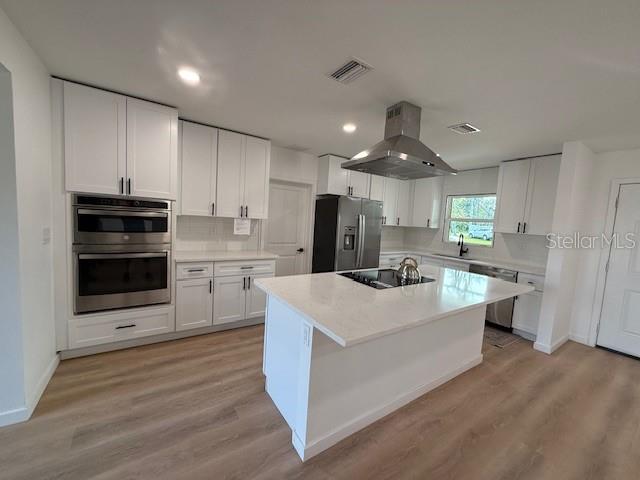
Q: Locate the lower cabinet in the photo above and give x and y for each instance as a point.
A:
(526, 311)
(235, 297)
(194, 303)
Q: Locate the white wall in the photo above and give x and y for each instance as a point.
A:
(293, 166)
(606, 167)
(32, 135)
(572, 207)
(211, 233)
(516, 248)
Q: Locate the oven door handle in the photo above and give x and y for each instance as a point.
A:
(106, 256)
(120, 213)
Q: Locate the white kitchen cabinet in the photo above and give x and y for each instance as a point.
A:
(427, 202)
(152, 150)
(405, 200)
(94, 140)
(256, 299)
(235, 297)
(194, 303)
(526, 195)
(333, 179)
(390, 201)
(119, 145)
(526, 310)
(243, 176)
(199, 167)
(256, 177)
(376, 188)
(229, 299)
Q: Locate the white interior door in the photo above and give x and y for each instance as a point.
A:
(287, 227)
(620, 320)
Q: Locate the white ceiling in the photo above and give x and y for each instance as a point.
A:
(529, 74)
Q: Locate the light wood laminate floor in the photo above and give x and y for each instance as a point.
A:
(196, 408)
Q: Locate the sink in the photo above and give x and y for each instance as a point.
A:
(457, 257)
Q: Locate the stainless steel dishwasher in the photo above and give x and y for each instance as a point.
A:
(499, 313)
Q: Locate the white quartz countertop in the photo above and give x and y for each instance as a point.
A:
(517, 266)
(352, 313)
(221, 256)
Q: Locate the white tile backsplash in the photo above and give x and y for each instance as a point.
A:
(211, 233)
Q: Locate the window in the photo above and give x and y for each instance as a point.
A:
(471, 216)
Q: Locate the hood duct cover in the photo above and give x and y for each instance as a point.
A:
(401, 154)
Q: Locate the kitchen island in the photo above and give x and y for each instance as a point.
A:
(339, 355)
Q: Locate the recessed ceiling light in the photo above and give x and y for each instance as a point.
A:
(189, 76)
(349, 127)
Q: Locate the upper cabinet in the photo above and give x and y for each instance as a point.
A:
(95, 136)
(427, 202)
(376, 188)
(118, 145)
(405, 199)
(390, 201)
(243, 176)
(199, 162)
(527, 194)
(333, 179)
(152, 150)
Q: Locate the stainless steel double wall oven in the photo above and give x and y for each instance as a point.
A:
(121, 252)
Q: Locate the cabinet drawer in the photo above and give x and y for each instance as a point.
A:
(194, 270)
(250, 267)
(85, 332)
(536, 281)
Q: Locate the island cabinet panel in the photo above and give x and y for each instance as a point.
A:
(327, 392)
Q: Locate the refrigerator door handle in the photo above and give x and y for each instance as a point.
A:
(360, 250)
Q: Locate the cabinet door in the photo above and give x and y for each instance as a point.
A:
(376, 190)
(512, 194)
(405, 195)
(229, 193)
(256, 298)
(256, 177)
(427, 195)
(332, 178)
(199, 168)
(541, 196)
(152, 149)
(194, 303)
(359, 183)
(390, 201)
(228, 299)
(94, 140)
(526, 312)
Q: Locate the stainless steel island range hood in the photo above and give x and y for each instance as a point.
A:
(401, 154)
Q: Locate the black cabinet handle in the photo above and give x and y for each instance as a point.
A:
(300, 250)
(241, 210)
(244, 283)
(121, 187)
(398, 221)
(246, 211)
(524, 227)
(210, 286)
(119, 327)
(246, 268)
(518, 227)
(248, 283)
(428, 221)
(213, 208)
(129, 186)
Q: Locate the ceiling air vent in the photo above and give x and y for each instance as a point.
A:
(351, 70)
(463, 128)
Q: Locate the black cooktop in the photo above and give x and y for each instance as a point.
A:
(380, 279)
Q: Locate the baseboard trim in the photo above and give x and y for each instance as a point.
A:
(14, 416)
(45, 378)
(24, 413)
(549, 349)
(579, 339)
(307, 451)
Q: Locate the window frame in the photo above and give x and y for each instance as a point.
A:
(448, 219)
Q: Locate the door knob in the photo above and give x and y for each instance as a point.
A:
(300, 250)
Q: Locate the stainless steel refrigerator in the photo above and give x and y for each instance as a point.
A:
(347, 233)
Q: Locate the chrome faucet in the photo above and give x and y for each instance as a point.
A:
(461, 245)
